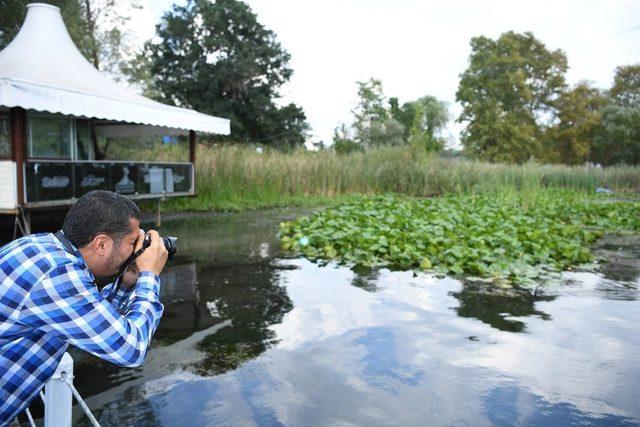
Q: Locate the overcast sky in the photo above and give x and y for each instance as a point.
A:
(420, 48)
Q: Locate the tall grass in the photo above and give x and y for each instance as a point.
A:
(237, 177)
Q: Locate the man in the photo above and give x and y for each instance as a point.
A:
(49, 299)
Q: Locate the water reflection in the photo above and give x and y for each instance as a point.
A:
(251, 297)
(181, 297)
(230, 238)
(380, 366)
(246, 295)
(249, 338)
(505, 403)
(400, 356)
(365, 278)
(620, 267)
(231, 308)
(498, 307)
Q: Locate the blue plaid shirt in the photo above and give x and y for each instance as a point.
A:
(48, 300)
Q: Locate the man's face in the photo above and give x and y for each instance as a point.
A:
(122, 251)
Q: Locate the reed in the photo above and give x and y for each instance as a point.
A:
(235, 177)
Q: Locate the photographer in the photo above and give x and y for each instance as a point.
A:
(49, 298)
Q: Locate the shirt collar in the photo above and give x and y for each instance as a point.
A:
(75, 252)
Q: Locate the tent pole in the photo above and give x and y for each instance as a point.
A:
(158, 215)
(18, 144)
(192, 149)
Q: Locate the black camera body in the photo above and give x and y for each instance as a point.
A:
(169, 244)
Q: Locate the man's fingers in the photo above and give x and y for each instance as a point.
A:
(156, 241)
(155, 238)
(139, 240)
(154, 258)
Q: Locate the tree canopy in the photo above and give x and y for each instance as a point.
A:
(579, 114)
(423, 119)
(373, 126)
(379, 121)
(215, 57)
(618, 141)
(508, 94)
(626, 86)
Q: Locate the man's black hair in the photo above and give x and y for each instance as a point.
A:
(96, 212)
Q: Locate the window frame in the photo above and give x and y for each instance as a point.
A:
(6, 116)
(72, 135)
(91, 154)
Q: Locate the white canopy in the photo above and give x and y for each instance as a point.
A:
(42, 70)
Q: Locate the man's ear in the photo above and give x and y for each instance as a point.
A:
(101, 243)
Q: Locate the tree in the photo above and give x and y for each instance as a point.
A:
(423, 119)
(579, 121)
(287, 126)
(369, 113)
(215, 57)
(343, 143)
(386, 132)
(378, 121)
(371, 102)
(626, 86)
(138, 72)
(508, 94)
(373, 126)
(109, 41)
(395, 110)
(619, 139)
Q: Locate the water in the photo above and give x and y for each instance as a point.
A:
(251, 338)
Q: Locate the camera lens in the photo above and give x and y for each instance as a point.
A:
(170, 245)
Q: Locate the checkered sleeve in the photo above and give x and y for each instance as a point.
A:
(67, 303)
(119, 299)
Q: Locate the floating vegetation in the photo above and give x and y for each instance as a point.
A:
(507, 238)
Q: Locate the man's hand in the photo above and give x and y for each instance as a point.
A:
(154, 257)
(130, 276)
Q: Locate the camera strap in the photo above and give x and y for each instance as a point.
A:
(65, 242)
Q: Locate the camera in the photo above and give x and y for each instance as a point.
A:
(169, 244)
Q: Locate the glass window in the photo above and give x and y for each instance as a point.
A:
(5, 137)
(49, 137)
(84, 149)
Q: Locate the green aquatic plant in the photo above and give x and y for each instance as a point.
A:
(506, 238)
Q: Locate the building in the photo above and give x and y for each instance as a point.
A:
(54, 105)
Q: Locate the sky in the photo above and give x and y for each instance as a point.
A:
(420, 48)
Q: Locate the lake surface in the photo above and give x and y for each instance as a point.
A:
(252, 338)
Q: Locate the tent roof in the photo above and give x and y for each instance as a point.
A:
(42, 70)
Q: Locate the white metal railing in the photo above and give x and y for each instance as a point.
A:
(58, 397)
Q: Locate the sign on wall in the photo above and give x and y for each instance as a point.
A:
(52, 181)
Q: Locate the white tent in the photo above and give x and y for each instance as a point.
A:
(42, 70)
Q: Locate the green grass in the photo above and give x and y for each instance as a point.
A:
(507, 238)
(236, 177)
